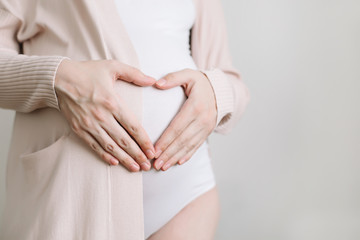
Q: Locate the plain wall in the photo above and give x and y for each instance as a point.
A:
(290, 169)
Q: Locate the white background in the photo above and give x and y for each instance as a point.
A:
(290, 169)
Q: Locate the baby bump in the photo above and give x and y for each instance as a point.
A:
(159, 108)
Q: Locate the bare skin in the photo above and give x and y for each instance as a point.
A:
(198, 220)
(87, 99)
(98, 115)
(194, 122)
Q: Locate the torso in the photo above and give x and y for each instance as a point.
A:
(160, 31)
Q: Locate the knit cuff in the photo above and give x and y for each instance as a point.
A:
(224, 94)
(28, 81)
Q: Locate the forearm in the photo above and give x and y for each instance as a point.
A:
(27, 82)
(232, 97)
(210, 50)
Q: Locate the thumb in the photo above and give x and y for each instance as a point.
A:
(133, 75)
(174, 79)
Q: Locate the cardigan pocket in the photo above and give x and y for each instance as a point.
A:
(48, 151)
(45, 191)
(43, 164)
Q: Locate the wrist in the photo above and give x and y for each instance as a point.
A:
(62, 72)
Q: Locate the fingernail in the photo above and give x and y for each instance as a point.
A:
(159, 164)
(166, 166)
(161, 82)
(146, 166)
(158, 153)
(150, 154)
(181, 161)
(135, 167)
(114, 162)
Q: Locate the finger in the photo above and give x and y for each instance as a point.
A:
(124, 141)
(175, 128)
(185, 142)
(181, 78)
(196, 143)
(133, 75)
(191, 153)
(112, 148)
(133, 128)
(97, 148)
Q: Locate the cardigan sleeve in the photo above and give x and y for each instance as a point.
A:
(210, 51)
(26, 82)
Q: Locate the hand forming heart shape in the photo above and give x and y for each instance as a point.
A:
(86, 96)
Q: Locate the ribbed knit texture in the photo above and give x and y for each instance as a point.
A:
(84, 30)
(210, 50)
(27, 82)
(224, 94)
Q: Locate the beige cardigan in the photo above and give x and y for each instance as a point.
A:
(56, 187)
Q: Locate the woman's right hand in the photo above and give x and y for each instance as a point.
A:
(87, 98)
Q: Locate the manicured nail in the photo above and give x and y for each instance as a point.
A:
(159, 164)
(114, 162)
(158, 153)
(135, 167)
(150, 154)
(161, 82)
(166, 166)
(146, 166)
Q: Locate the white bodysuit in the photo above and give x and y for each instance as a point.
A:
(159, 31)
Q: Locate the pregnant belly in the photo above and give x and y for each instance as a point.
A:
(159, 108)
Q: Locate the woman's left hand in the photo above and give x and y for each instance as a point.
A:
(194, 122)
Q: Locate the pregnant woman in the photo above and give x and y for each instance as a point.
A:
(114, 101)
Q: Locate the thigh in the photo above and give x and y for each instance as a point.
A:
(197, 220)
